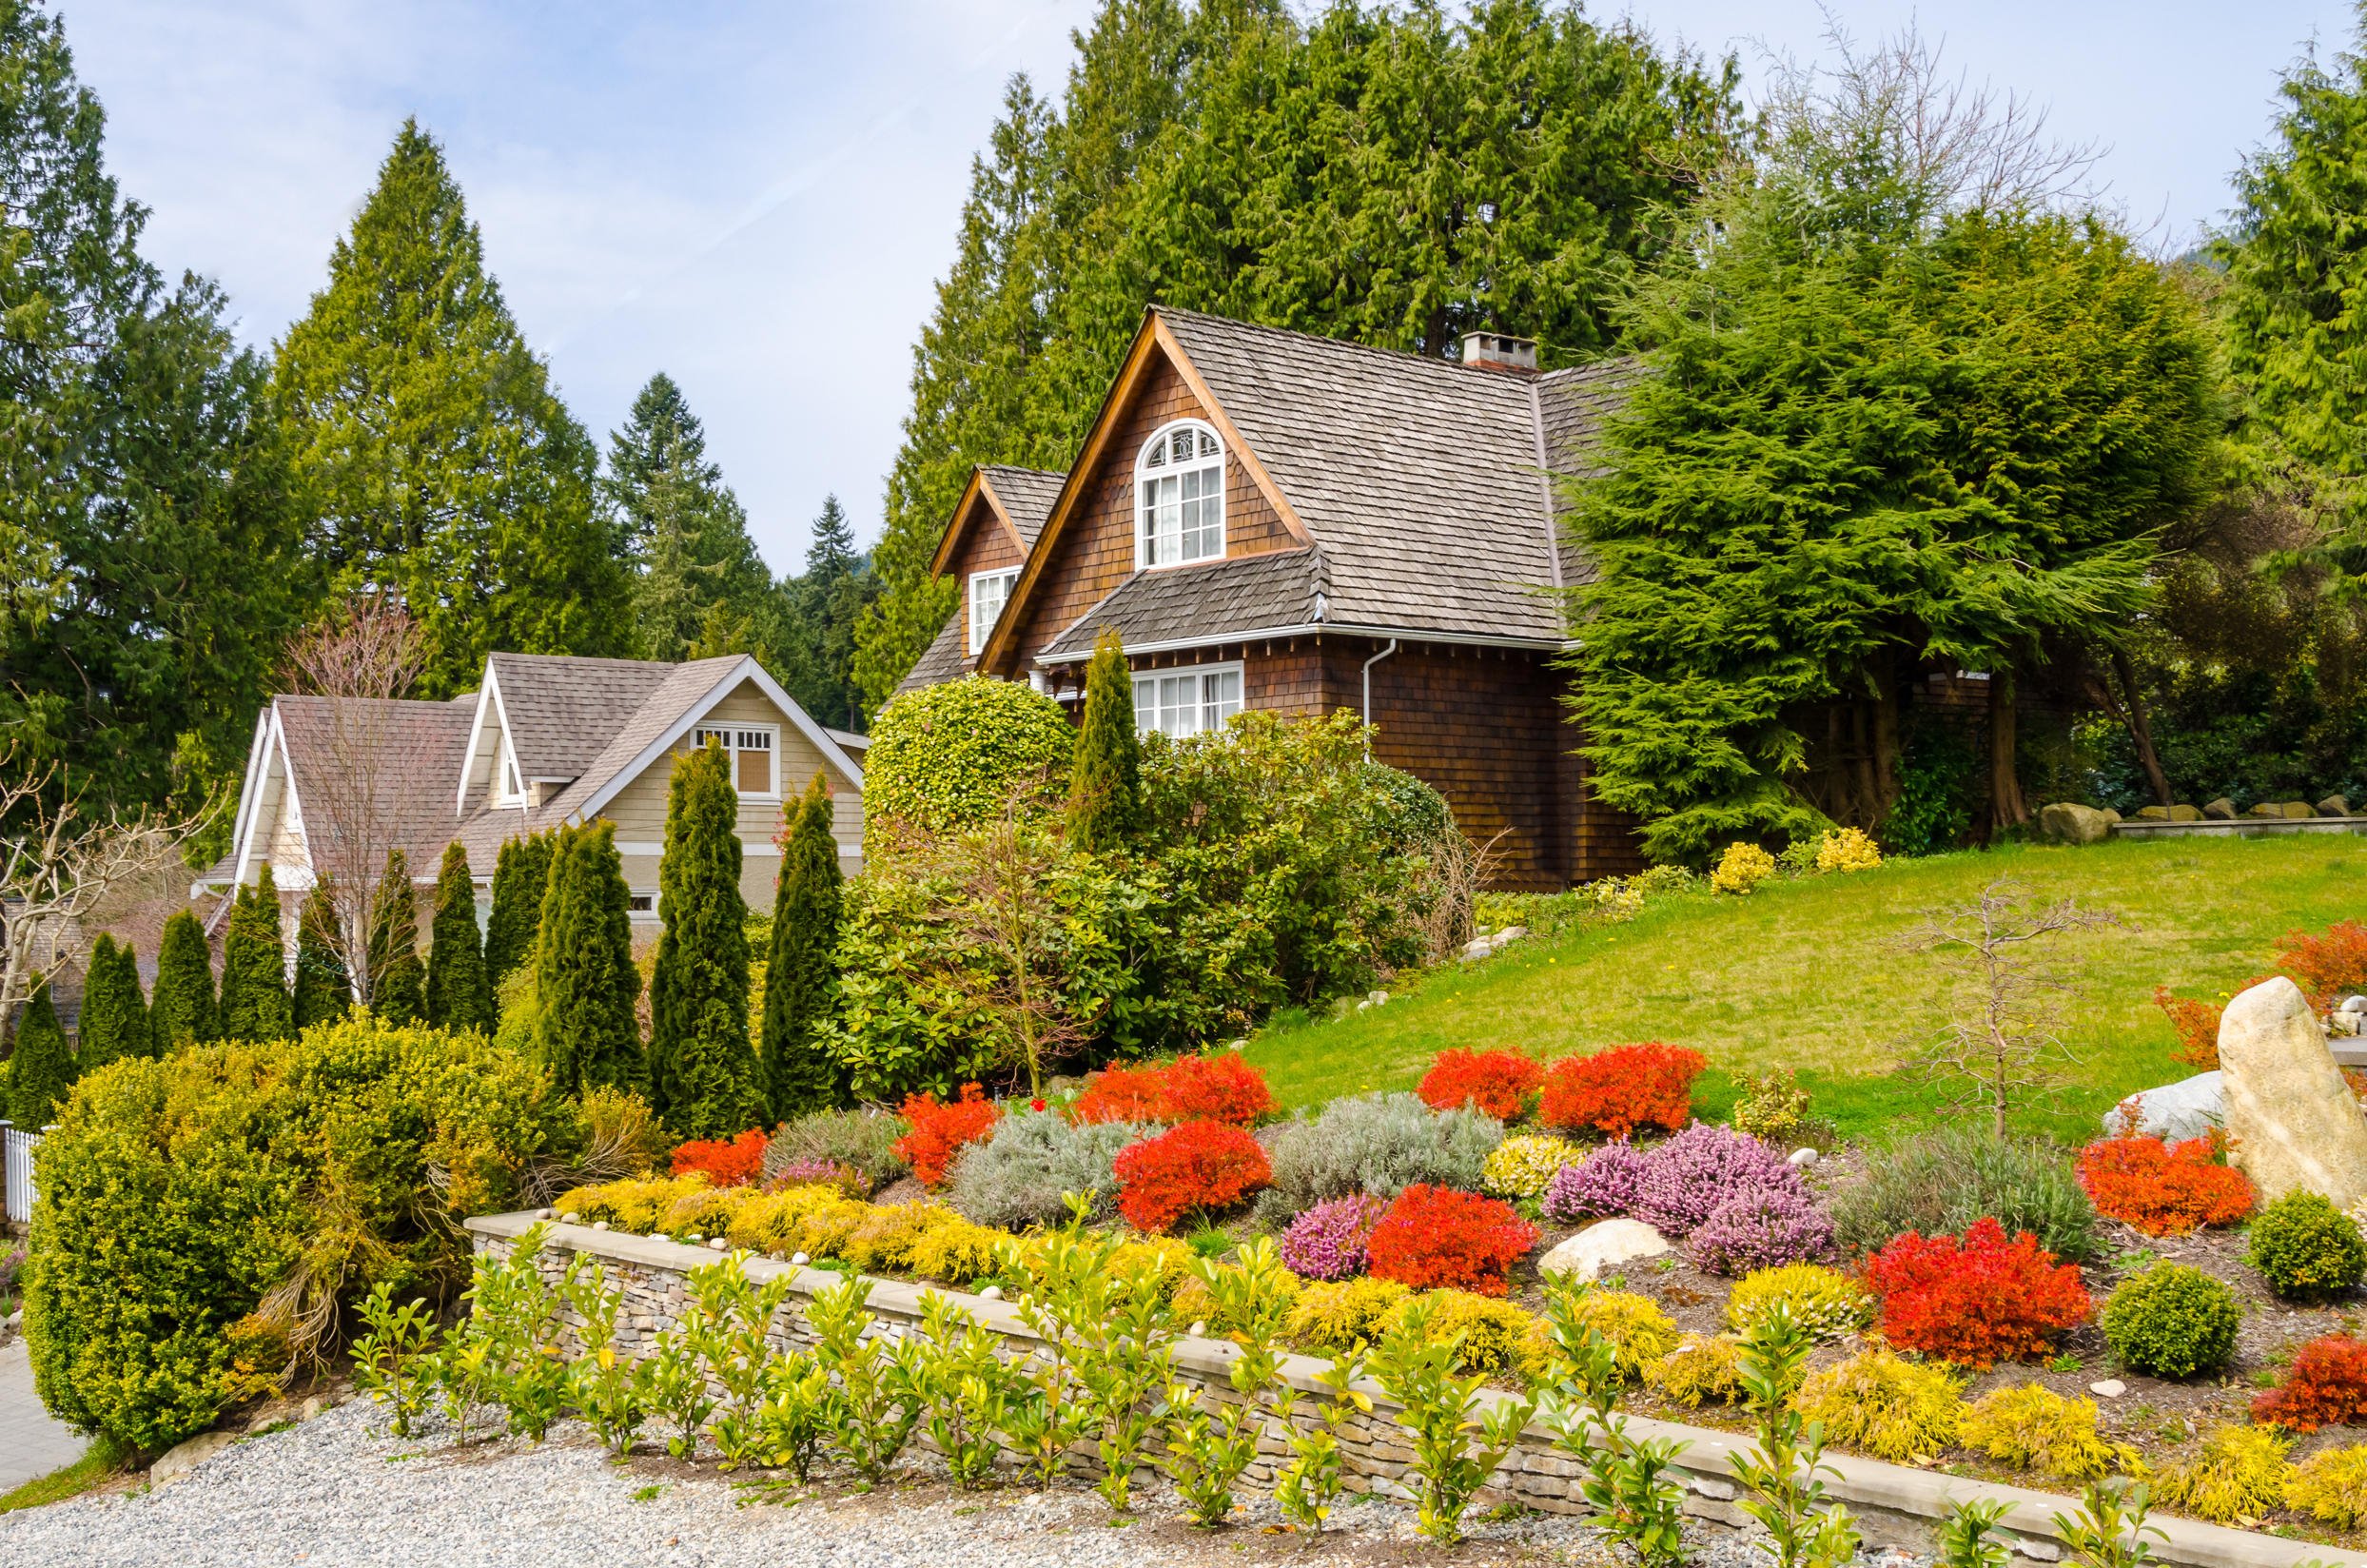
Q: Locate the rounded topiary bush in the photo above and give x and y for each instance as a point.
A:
(2172, 1322)
(2306, 1248)
(951, 756)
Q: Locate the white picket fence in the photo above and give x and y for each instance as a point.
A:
(16, 1172)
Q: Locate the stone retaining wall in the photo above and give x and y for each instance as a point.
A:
(1895, 1505)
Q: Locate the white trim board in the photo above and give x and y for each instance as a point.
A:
(746, 668)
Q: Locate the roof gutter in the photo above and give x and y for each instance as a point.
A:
(1314, 628)
(1368, 692)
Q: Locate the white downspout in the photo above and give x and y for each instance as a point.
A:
(1368, 692)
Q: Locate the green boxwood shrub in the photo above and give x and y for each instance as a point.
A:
(2306, 1248)
(2172, 1322)
(1940, 1183)
(950, 755)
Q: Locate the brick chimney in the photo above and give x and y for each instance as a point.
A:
(1495, 351)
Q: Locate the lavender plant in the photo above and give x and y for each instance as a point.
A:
(1763, 1228)
(1327, 1242)
(1605, 1182)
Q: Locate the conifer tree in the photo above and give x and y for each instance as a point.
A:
(458, 996)
(703, 1077)
(700, 578)
(183, 1010)
(1106, 785)
(520, 876)
(398, 982)
(41, 1070)
(254, 966)
(114, 1020)
(801, 975)
(323, 993)
(821, 609)
(428, 440)
(584, 977)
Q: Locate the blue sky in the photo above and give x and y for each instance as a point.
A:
(756, 197)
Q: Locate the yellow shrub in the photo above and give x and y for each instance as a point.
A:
(1828, 1303)
(958, 1252)
(1742, 867)
(1848, 849)
(1698, 1372)
(633, 1205)
(2331, 1485)
(1196, 1303)
(1149, 1252)
(2032, 1426)
(816, 1221)
(2240, 1474)
(1497, 1334)
(1521, 1166)
(705, 1211)
(1639, 1331)
(1882, 1406)
(1330, 1318)
(883, 1242)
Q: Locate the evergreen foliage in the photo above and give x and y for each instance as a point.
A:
(254, 966)
(584, 980)
(815, 646)
(1105, 784)
(520, 876)
(114, 1020)
(41, 1069)
(430, 447)
(183, 1009)
(459, 996)
(397, 981)
(699, 577)
(323, 991)
(801, 1076)
(703, 1073)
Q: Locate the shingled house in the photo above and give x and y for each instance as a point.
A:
(1275, 521)
(544, 740)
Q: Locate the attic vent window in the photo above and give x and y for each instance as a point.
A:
(750, 749)
(1179, 476)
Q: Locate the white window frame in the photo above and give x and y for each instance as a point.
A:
(729, 732)
(981, 626)
(508, 788)
(1157, 484)
(632, 911)
(1147, 714)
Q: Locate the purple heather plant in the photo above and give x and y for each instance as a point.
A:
(1703, 1167)
(820, 1173)
(1327, 1242)
(1603, 1183)
(1761, 1230)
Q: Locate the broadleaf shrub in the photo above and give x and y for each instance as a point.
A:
(1742, 867)
(1380, 1144)
(1495, 1082)
(940, 1129)
(2164, 1189)
(1760, 1230)
(1940, 1183)
(1620, 1090)
(1435, 1236)
(725, 1162)
(1879, 1404)
(2173, 1321)
(1976, 1302)
(1328, 1241)
(2326, 1387)
(2306, 1248)
(1198, 1167)
(951, 756)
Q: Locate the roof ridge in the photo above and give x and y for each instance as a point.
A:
(1404, 356)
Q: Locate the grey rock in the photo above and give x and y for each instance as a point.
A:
(2293, 1123)
(2335, 804)
(2187, 1109)
(2111, 1388)
(2267, 810)
(2067, 822)
(2222, 810)
(181, 1458)
(2353, 1002)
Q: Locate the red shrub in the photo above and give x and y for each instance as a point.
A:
(2326, 1387)
(1121, 1095)
(1215, 1088)
(2196, 1022)
(940, 1130)
(726, 1164)
(1622, 1088)
(1435, 1236)
(2160, 1189)
(1497, 1081)
(1978, 1302)
(1198, 1166)
(2327, 965)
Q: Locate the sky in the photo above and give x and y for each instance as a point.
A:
(758, 197)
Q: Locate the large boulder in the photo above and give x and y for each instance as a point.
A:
(2293, 1122)
(2174, 1112)
(2222, 810)
(2185, 814)
(2066, 822)
(2335, 804)
(1603, 1245)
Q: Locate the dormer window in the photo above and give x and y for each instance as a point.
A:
(988, 593)
(1179, 478)
(511, 791)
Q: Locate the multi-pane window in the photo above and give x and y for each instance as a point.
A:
(1180, 478)
(1182, 702)
(751, 749)
(988, 593)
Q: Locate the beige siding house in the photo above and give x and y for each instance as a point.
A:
(545, 740)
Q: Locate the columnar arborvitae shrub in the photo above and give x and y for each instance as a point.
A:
(1105, 784)
(703, 1076)
(323, 991)
(520, 877)
(457, 994)
(254, 966)
(41, 1071)
(398, 984)
(114, 1020)
(801, 976)
(182, 1007)
(584, 976)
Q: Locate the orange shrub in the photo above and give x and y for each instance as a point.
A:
(2196, 1022)
(1976, 1302)
(1497, 1081)
(2327, 965)
(1122, 1094)
(725, 1163)
(1200, 1165)
(2164, 1190)
(2326, 1387)
(940, 1130)
(1622, 1088)
(1221, 1087)
(1434, 1237)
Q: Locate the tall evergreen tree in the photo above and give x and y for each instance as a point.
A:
(182, 1011)
(41, 1070)
(1105, 784)
(821, 610)
(801, 974)
(520, 876)
(114, 1020)
(703, 1076)
(324, 993)
(699, 576)
(430, 446)
(457, 994)
(254, 966)
(584, 979)
(398, 982)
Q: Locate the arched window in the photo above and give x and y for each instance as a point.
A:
(1181, 479)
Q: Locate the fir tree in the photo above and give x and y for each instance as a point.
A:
(822, 608)
(801, 975)
(458, 995)
(397, 981)
(41, 1071)
(114, 1020)
(323, 991)
(520, 876)
(254, 966)
(699, 572)
(183, 1010)
(428, 437)
(1106, 785)
(703, 1076)
(584, 978)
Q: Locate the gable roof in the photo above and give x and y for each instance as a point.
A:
(562, 709)
(1027, 495)
(413, 747)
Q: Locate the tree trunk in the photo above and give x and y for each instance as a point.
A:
(2007, 809)
(2139, 732)
(1886, 749)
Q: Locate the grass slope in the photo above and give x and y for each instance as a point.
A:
(1814, 976)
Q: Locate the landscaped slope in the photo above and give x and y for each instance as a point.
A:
(1817, 974)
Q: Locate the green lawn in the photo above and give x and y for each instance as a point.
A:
(1812, 974)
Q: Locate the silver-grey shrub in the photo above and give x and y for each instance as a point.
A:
(864, 1139)
(1015, 1178)
(1380, 1144)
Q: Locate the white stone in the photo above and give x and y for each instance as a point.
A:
(2293, 1125)
(1604, 1243)
(1800, 1159)
(799, 1259)
(695, 1237)
(310, 1408)
(2352, 1003)
(1378, 997)
(1477, 948)
(1511, 933)
(2111, 1388)
(718, 1244)
(2187, 1109)
(600, 1225)
(993, 1293)
(546, 1214)
(183, 1457)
